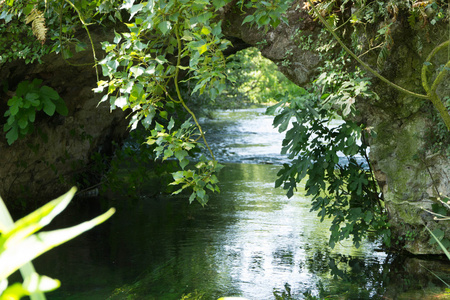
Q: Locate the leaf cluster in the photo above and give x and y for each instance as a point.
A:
(164, 39)
(56, 19)
(383, 15)
(30, 98)
(339, 88)
(265, 14)
(179, 144)
(333, 159)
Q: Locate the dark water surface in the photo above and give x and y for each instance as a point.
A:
(249, 241)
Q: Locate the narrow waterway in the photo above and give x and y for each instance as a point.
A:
(249, 241)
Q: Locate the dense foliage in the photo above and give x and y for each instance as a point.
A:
(166, 42)
(334, 160)
(250, 79)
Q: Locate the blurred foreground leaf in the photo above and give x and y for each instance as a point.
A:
(20, 244)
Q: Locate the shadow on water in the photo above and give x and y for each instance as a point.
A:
(249, 241)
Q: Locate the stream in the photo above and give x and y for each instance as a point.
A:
(249, 241)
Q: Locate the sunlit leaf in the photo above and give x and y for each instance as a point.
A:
(164, 26)
(34, 221)
(17, 254)
(202, 49)
(135, 9)
(205, 30)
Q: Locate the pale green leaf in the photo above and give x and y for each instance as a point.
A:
(37, 283)
(164, 26)
(135, 9)
(19, 253)
(183, 163)
(171, 124)
(121, 101)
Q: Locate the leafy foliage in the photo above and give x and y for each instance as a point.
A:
(267, 14)
(250, 79)
(29, 98)
(59, 20)
(20, 244)
(143, 63)
(343, 188)
(341, 88)
(178, 144)
(168, 41)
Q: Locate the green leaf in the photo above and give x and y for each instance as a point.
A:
(272, 109)
(248, 18)
(201, 193)
(121, 101)
(181, 154)
(32, 115)
(48, 92)
(202, 49)
(81, 46)
(438, 234)
(171, 124)
(23, 122)
(137, 93)
(135, 9)
(49, 107)
(205, 30)
(147, 121)
(163, 114)
(32, 97)
(183, 163)
(66, 53)
(25, 248)
(61, 107)
(167, 153)
(136, 71)
(192, 197)
(14, 110)
(12, 135)
(164, 26)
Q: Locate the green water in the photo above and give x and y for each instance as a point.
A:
(249, 241)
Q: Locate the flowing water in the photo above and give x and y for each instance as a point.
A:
(249, 241)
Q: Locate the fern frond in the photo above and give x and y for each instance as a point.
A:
(37, 20)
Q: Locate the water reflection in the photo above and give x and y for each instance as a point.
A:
(244, 136)
(249, 241)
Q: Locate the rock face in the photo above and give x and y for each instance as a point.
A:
(46, 163)
(407, 165)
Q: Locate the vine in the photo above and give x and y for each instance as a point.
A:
(431, 92)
